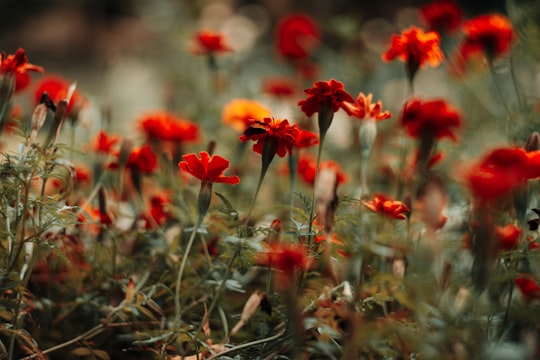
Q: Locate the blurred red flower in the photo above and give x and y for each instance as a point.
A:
(325, 93)
(279, 86)
(209, 42)
(508, 236)
(297, 36)
(143, 159)
(164, 126)
(528, 287)
(58, 89)
(207, 168)
(491, 34)
(18, 65)
(390, 208)
(158, 212)
(240, 113)
(434, 118)
(280, 132)
(416, 48)
(307, 169)
(104, 142)
(442, 15)
(306, 138)
(363, 108)
(288, 259)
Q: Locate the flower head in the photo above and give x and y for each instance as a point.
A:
(279, 86)
(279, 133)
(297, 36)
(434, 118)
(390, 208)
(508, 236)
(307, 169)
(325, 93)
(240, 113)
(143, 159)
(363, 108)
(207, 168)
(306, 138)
(491, 35)
(528, 287)
(58, 88)
(209, 42)
(442, 15)
(416, 48)
(164, 126)
(288, 259)
(18, 65)
(104, 142)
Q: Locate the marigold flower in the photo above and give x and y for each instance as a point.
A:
(363, 108)
(323, 93)
(18, 65)
(240, 113)
(415, 48)
(491, 34)
(58, 89)
(528, 287)
(307, 169)
(297, 35)
(391, 208)
(280, 87)
(143, 159)
(209, 42)
(508, 236)
(285, 257)
(207, 168)
(306, 138)
(164, 126)
(502, 171)
(158, 212)
(278, 132)
(103, 142)
(434, 118)
(442, 15)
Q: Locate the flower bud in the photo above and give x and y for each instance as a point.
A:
(38, 119)
(205, 196)
(532, 143)
(367, 133)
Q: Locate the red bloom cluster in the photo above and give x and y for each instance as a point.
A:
(207, 168)
(391, 208)
(325, 93)
(209, 42)
(442, 15)
(434, 118)
(416, 48)
(297, 36)
(491, 34)
(279, 131)
(164, 126)
(18, 65)
(502, 171)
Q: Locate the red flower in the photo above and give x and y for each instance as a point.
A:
(288, 259)
(297, 36)
(508, 236)
(415, 48)
(491, 34)
(528, 287)
(143, 159)
(363, 108)
(209, 42)
(306, 138)
(442, 15)
(104, 142)
(280, 87)
(18, 65)
(240, 113)
(58, 89)
(434, 118)
(502, 171)
(307, 168)
(207, 168)
(277, 131)
(324, 93)
(162, 125)
(158, 213)
(391, 208)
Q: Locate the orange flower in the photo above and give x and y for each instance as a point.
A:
(143, 159)
(162, 125)
(276, 132)
(104, 142)
(415, 48)
(297, 36)
(18, 65)
(363, 108)
(442, 15)
(434, 118)
(502, 171)
(207, 168)
(58, 89)
(324, 94)
(240, 113)
(391, 208)
(209, 42)
(491, 34)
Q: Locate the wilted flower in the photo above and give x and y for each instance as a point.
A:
(391, 208)
(240, 113)
(442, 15)
(297, 35)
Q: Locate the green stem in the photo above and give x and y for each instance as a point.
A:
(312, 209)
(182, 267)
(261, 178)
